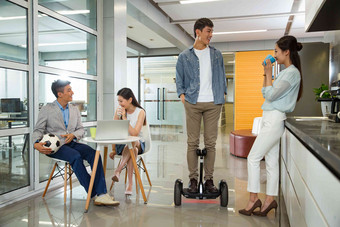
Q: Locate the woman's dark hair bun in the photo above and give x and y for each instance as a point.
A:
(298, 46)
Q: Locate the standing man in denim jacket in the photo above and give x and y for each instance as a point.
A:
(201, 85)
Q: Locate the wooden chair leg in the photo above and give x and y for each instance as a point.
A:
(146, 171)
(136, 185)
(105, 160)
(65, 182)
(49, 179)
(137, 175)
(93, 174)
(125, 174)
(111, 185)
(70, 175)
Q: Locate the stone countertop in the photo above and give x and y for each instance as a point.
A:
(321, 137)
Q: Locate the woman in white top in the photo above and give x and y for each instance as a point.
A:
(280, 98)
(129, 109)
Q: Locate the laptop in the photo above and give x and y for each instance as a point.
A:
(112, 130)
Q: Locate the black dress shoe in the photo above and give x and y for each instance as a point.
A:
(193, 186)
(210, 187)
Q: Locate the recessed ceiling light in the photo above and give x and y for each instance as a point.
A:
(197, 1)
(237, 32)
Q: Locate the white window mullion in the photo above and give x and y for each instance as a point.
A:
(100, 41)
(20, 3)
(66, 20)
(13, 65)
(34, 62)
(49, 70)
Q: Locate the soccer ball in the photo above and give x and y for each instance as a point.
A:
(52, 141)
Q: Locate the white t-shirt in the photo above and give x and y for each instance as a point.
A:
(133, 120)
(205, 93)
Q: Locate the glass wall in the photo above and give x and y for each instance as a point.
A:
(227, 116)
(66, 47)
(13, 32)
(82, 11)
(14, 142)
(13, 99)
(14, 162)
(85, 93)
(229, 65)
(159, 98)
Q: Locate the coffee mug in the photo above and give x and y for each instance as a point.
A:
(271, 58)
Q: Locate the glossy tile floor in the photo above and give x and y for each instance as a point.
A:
(165, 162)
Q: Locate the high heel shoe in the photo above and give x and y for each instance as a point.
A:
(272, 205)
(250, 211)
(115, 177)
(128, 192)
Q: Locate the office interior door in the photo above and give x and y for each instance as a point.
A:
(162, 105)
(159, 96)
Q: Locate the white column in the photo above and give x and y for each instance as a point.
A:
(114, 53)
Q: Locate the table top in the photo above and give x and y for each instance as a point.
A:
(122, 141)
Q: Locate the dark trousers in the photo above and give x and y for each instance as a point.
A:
(75, 153)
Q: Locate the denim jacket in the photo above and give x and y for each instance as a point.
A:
(188, 75)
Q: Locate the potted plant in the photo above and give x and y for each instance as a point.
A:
(323, 95)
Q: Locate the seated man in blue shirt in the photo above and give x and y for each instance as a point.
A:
(63, 120)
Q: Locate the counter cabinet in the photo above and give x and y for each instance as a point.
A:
(310, 190)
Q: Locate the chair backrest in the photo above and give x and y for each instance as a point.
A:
(147, 137)
(256, 125)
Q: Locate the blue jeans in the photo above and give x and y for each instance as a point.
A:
(75, 153)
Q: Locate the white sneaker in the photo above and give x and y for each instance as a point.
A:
(105, 200)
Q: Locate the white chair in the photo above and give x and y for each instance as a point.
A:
(140, 162)
(66, 173)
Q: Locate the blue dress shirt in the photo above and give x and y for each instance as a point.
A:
(66, 113)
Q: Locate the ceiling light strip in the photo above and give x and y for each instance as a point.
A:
(197, 1)
(248, 17)
(239, 32)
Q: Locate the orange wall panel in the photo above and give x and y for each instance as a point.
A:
(248, 84)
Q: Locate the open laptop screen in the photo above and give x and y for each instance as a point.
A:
(112, 130)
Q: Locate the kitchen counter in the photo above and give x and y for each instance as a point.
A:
(321, 138)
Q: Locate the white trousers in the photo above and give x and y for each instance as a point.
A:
(266, 145)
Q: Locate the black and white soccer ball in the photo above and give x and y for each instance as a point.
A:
(52, 141)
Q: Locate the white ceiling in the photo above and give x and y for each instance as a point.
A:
(235, 15)
(143, 35)
(227, 15)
